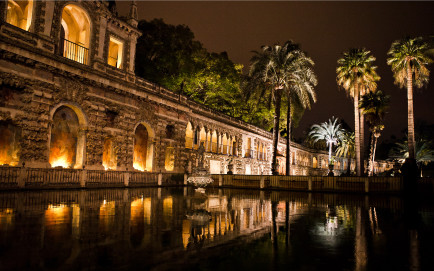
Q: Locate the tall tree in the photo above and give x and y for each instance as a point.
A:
(331, 132)
(357, 75)
(374, 105)
(274, 69)
(408, 59)
(299, 96)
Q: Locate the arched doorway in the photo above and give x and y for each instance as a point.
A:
(10, 136)
(67, 139)
(189, 136)
(75, 34)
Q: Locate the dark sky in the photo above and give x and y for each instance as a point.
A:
(324, 29)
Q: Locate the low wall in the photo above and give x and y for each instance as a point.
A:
(313, 183)
(41, 178)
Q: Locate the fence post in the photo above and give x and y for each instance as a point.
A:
(22, 177)
(83, 177)
(262, 182)
(220, 180)
(366, 185)
(126, 179)
(160, 179)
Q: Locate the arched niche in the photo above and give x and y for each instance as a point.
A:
(214, 141)
(67, 137)
(109, 156)
(75, 33)
(189, 136)
(10, 136)
(19, 13)
(143, 147)
(202, 136)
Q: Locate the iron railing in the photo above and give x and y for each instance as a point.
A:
(75, 52)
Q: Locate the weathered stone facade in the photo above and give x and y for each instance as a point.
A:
(37, 78)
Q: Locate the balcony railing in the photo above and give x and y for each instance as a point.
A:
(75, 52)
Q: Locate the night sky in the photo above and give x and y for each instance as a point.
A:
(324, 29)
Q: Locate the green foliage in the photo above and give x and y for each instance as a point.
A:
(330, 132)
(346, 146)
(411, 52)
(356, 73)
(169, 55)
(424, 151)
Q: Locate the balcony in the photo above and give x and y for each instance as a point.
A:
(75, 52)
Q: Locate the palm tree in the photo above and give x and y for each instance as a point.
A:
(424, 152)
(346, 147)
(374, 105)
(300, 95)
(274, 68)
(330, 132)
(408, 60)
(357, 75)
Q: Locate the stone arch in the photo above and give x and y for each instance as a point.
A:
(20, 13)
(75, 33)
(143, 146)
(214, 141)
(67, 139)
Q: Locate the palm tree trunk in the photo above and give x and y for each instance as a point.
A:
(288, 137)
(411, 140)
(362, 142)
(278, 96)
(357, 131)
(371, 155)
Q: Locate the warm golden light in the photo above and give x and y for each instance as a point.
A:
(115, 53)
(6, 218)
(140, 148)
(109, 159)
(19, 14)
(9, 147)
(56, 214)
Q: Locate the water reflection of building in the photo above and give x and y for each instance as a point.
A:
(57, 228)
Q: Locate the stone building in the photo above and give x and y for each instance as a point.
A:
(70, 98)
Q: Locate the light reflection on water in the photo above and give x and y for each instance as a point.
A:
(223, 229)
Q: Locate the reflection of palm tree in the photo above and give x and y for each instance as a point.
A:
(330, 132)
(374, 105)
(357, 75)
(409, 60)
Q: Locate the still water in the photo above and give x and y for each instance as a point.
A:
(180, 229)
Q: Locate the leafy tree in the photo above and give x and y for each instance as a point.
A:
(169, 55)
(374, 105)
(408, 59)
(357, 75)
(330, 132)
(424, 151)
(275, 71)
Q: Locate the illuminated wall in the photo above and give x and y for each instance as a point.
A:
(109, 158)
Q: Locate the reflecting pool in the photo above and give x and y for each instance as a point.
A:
(222, 229)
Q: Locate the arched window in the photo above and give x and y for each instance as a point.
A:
(214, 141)
(189, 136)
(20, 13)
(75, 34)
(9, 144)
(225, 144)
